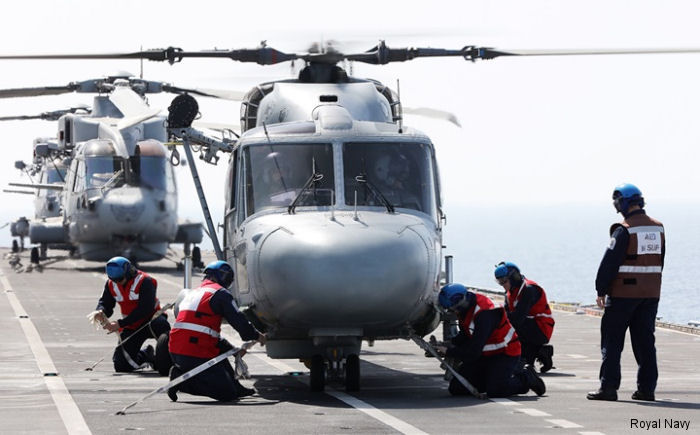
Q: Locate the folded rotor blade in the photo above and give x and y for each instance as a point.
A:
(21, 117)
(35, 92)
(205, 92)
(38, 186)
(433, 113)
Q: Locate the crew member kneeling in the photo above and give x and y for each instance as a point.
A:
(135, 292)
(195, 337)
(487, 346)
(529, 312)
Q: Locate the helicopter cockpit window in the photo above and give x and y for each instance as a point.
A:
(155, 174)
(54, 175)
(400, 172)
(103, 169)
(150, 168)
(276, 175)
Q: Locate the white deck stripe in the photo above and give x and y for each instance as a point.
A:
(566, 424)
(70, 414)
(356, 403)
(533, 412)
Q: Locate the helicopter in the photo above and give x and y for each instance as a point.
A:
(118, 195)
(333, 210)
(49, 166)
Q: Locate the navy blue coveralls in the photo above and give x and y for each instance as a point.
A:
(496, 375)
(217, 382)
(129, 357)
(637, 314)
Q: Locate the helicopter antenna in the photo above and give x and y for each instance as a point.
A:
(398, 95)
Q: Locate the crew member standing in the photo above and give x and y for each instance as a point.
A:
(629, 286)
(195, 337)
(529, 312)
(487, 346)
(135, 292)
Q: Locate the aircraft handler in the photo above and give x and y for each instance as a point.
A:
(195, 337)
(487, 346)
(135, 292)
(529, 312)
(629, 286)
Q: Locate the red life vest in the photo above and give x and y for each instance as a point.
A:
(503, 339)
(127, 296)
(197, 328)
(540, 311)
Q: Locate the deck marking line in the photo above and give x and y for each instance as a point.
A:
(70, 413)
(533, 412)
(592, 433)
(566, 424)
(354, 402)
(504, 402)
(575, 355)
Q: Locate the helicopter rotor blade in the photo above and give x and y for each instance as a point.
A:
(377, 55)
(36, 92)
(433, 113)
(489, 53)
(48, 116)
(205, 92)
(262, 55)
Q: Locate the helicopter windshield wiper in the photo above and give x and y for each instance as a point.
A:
(362, 178)
(313, 179)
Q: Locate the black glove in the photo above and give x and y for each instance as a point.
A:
(224, 346)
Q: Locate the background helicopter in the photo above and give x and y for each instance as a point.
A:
(325, 188)
(119, 196)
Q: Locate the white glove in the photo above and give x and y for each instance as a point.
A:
(98, 319)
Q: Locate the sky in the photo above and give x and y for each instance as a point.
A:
(537, 131)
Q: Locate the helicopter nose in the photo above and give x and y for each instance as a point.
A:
(125, 205)
(376, 274)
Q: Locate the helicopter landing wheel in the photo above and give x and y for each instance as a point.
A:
(15, 246)
(34, 255)
(318, 373)
(352, 373)
(197, 257)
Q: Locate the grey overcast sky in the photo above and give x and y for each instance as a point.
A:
(535, 130)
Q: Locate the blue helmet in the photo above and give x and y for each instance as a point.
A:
(219, 272)
(507, 269)
(455, 295)
(626, 195)
(117, 268)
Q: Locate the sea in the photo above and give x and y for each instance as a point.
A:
(560, 247)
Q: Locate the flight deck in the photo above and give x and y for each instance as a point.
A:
(47, 343)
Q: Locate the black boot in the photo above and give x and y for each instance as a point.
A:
(601, 394)
(544, 356)
(172, 391)
(534, 382)
(638, 395)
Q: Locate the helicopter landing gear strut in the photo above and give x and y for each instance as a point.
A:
(318, 373)
(347, 369)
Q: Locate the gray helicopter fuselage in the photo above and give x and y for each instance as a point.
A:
(340, 267)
